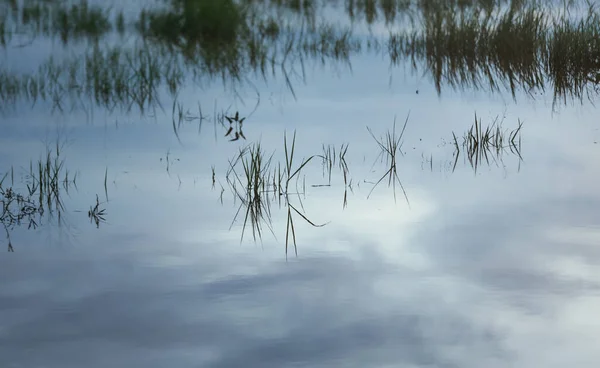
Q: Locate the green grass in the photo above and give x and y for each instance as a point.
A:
(197, 22)
(574, 56)
(67, 20)
(81, 20)
(521, 47)
(112, 78)
(489, 45)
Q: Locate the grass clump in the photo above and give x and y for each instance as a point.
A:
(390, 147)
(254, 184)
(484, 143)
(257, 182)
(574, 56)
(81, 20)
(68, 20)
(192, 23)
(96, 213)
(40, 193)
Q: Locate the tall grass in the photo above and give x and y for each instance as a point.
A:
(574, 56)
(524, 46)
(113, 78)
(69, 21)
(493, 45)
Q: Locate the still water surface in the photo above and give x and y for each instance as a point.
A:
(491, 267)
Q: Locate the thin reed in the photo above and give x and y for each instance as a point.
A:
(40, 193)
(256, 181)
(390, 147)
(487, 143)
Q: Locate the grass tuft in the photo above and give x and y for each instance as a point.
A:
(487, 143)
(390, 148)
(254, 179)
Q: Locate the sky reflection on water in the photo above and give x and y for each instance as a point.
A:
(489, 269)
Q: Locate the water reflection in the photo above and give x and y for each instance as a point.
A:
(487, 143)
(478, 271)
(256, 182)
(390, 148)
(526, 46)
(38, 194)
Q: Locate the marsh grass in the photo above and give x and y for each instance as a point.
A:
(256, 181)
(253, 185)
(43, 184)
(330, 158)
(475, 48)
(492, 45)
(290, 172)
(67, 20)
(574, 56)
(343, 164)
(112, 78)
(121, 78)
(4, 35)
(81, 19)
(522, 46)
(187, 23)
(179, 117)
(120, 24)
(487, 143)
(96, 213)
(390, 147)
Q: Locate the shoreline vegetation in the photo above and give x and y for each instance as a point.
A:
(512, 46)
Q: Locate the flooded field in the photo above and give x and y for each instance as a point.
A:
(299, 183)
